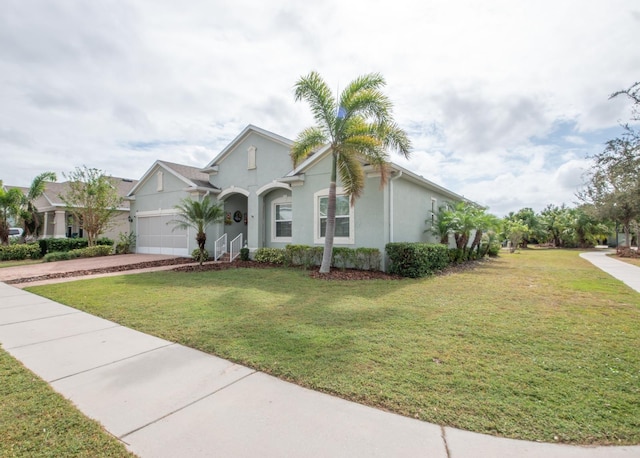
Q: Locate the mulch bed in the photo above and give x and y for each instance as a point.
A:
(335, 274)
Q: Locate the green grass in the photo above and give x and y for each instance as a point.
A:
(24, 262)
(538, 345)
(634, 261)
(35, 421)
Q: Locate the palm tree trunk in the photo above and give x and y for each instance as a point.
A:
(330, 230)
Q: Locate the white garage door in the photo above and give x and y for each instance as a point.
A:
(155, 236)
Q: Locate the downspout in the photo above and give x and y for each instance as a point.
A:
(391, 239)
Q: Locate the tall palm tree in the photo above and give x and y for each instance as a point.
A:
(198, 215)
(358, 127)
(9, 207)
(29, 212)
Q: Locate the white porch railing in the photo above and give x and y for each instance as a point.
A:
(221, 246)
(234, 249)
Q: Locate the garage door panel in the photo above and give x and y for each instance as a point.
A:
(155, 236)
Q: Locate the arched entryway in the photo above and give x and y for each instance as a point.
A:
(236, 219)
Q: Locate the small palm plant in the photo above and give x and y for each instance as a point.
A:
(198, 215)
(29, 212)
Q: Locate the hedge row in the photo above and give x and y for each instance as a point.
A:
(19, 252)
(88, 252)
(61, 245)
(416, 260)
(310, 256)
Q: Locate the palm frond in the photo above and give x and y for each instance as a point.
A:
(370, 104)
(313, 89)
(351, 174)
(371, 81)
(38, 185)
(308, 140)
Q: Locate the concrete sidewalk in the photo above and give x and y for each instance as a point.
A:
(623, 271)
(166, 400)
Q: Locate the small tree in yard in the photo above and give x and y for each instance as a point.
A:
(28, 212)
(198, 215)
(10, 201)
(516, 232)
(92, 197)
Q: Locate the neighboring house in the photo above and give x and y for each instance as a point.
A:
(267, 204)
(57, 222)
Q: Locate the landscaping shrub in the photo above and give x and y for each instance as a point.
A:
(303, 255)
(244, 254)
(19, 252)
(58, 256)
(270, 255)
(55, 245)
(51, 245)
(342, 257)
(91, 251)
(367, 259)
(200, 255)
(126, 242)
(416, 260)
(104, 241)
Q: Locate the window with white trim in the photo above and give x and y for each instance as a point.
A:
(160, 181)
(281, 219)
(344, 231)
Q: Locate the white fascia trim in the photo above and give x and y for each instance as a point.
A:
(297, 179)
(211, 170)
(250, 128)
(232, 190)
(428, 184)
(273, 185)
(151, 172)
(318, 155)
(201, 189)
(158, 212)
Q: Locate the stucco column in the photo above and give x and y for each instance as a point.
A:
(60, 224)
(46, 224)
(254, 222)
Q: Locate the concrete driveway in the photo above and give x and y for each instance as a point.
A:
(76, 265)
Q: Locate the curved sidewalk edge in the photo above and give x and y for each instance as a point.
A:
(623, 271)
(165, 400)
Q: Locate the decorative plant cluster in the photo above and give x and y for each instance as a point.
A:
(57, 245)
(311, 256)
(416, 260)
(19, 252)
(87, 252)
(126, 242)
(199, 255)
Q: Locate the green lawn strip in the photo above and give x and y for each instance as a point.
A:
(24, 262)
(633, 261)
(537, 345)
(36, 421)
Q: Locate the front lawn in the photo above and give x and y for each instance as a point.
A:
(35, 421)
(537, 345)
(24, 262)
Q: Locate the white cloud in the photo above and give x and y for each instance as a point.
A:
(481, 87)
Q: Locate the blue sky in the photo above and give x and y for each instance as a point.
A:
(504, 101)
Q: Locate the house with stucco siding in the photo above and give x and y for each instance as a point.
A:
(57, 221)
(269, 204)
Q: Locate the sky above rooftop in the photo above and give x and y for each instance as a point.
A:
(504, 101)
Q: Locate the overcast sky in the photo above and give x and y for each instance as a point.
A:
(503, 100)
